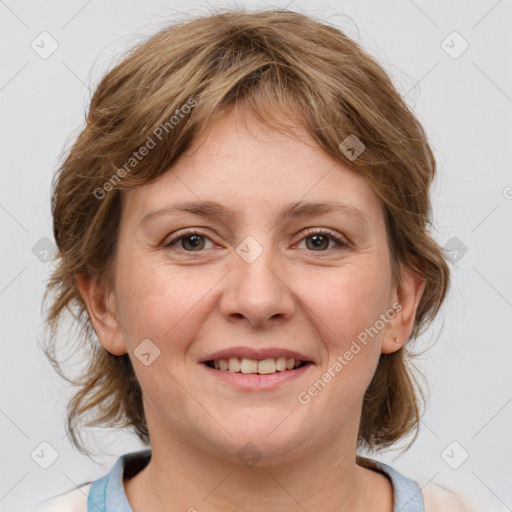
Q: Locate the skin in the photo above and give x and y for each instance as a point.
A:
(294, 295)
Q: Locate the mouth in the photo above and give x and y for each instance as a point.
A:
(266, 366)
(252, 375)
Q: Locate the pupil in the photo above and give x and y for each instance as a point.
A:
(318, 240)
(193, 240)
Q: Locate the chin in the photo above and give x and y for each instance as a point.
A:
(266, 444)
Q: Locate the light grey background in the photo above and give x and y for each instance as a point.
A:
(465, 105)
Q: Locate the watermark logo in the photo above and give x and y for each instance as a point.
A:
(454, 45)
(146, 352)
(351, 147)
(45, 45)
(249, 249)
(249, 454)
(455, 248)
(44, 455)
(44, 249)
(455, 455)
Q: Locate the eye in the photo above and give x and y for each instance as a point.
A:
(191, 241)
(320, 239)
(317, 240)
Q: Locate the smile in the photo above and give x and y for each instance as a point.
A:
(249, 374)
(262, 367)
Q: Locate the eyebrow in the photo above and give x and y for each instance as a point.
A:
(296, 209)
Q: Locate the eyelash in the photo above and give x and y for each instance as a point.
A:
(340, 244)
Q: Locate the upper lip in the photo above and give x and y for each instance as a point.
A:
(259, 354)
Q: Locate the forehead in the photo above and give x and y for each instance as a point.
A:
(243, 165)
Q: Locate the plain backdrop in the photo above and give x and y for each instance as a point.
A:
(451, 60)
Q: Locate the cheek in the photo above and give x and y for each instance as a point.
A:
(150, 299)
(347, 308)
(160, 302)
(344, 309)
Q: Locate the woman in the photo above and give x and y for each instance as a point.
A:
(243, 232)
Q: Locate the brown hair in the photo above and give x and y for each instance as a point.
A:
(266, 62)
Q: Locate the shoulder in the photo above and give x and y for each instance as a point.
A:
(437, 498)
(72, 501)
(416, 495)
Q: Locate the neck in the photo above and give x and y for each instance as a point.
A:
(190, 479)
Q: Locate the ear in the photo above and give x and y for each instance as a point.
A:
(101, 307)
(407, 293)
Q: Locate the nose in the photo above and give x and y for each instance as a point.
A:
(257, 290)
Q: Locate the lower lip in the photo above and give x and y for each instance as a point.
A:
(255, 381)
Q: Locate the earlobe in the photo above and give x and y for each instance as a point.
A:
(408, 294)
(101, 308)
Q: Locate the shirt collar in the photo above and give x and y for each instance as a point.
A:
(406, 492)
(107, 494)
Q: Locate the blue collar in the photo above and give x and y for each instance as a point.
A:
(107, 493)
(407, 492)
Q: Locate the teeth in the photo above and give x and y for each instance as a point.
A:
(267, 366)
(281, 364)
(234, 364)
(264, 367)
(248, 366)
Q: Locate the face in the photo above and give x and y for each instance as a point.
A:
(256, 280)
